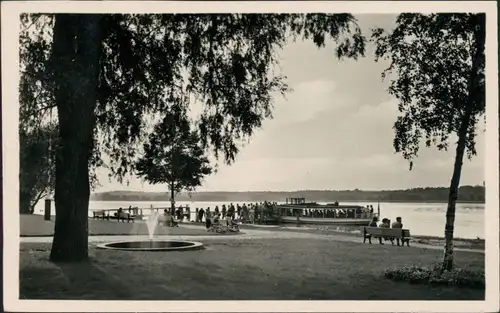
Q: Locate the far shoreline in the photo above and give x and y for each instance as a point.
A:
(233, 200)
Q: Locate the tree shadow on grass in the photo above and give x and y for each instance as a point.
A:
(87, 280)
(38, 283)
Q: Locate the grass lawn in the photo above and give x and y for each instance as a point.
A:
(272, 269)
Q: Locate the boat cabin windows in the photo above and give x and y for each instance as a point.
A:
(295, 200)
(351, 212)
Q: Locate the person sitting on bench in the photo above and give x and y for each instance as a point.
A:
(216, 218)
(231, 224)
(173, 221)
(385, 224)
(373, 223)
(397, 224)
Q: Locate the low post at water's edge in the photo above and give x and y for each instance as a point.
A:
(47, 209)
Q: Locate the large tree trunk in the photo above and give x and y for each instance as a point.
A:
(462, 138)
(76, 53)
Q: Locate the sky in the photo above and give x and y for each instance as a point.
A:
(333, 132)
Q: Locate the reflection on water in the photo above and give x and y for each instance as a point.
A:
(421, 218)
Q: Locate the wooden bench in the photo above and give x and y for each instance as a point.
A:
(126, 216)
(100, 214)
(387, 234)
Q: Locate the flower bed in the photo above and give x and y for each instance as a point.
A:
(460, 277)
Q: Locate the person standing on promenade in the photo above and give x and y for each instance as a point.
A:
(258, 212)
(224, 210)
(231, 210)
(252, 214)
(181, 213)
(208, 220)
(244, 211)
(201, 212)
(238, 211)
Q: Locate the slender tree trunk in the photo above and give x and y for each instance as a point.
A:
(462, 138)
(172, 198)
(453, 196)
(76, 53)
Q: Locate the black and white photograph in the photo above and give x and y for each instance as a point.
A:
(271, 156)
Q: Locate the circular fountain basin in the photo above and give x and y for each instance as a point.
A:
(152, 245)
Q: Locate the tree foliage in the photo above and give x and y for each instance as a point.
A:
(152, 63)
(174, 156)
(37, 167)
(430, 64)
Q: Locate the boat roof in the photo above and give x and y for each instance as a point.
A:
(314, 205)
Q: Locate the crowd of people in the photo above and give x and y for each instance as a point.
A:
(245, 213)
(234, 214)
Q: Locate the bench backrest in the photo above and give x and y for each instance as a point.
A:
(124, 215)
(381, 231)
(373, 230)
(393, 232)
(223, 222)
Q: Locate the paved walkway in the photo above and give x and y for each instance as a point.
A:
(247, 234)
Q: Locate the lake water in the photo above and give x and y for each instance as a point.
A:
(421, 218)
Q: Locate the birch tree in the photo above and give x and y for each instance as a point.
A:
(436, 70)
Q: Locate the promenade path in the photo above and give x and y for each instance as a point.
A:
(246, 234)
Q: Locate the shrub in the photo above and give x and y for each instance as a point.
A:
(460, 277)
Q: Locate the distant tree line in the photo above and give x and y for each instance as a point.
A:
(427, 194)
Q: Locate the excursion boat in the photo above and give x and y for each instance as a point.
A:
(298, 211)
